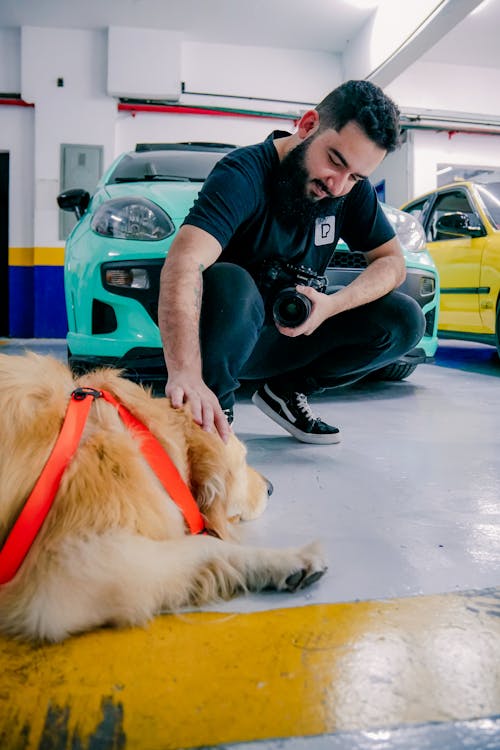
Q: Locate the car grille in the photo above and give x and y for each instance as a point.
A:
(343, 259)
(103, 318)
(430, 318)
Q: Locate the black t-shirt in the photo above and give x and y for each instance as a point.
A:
(234, 206)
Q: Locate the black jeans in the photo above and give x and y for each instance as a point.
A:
(238, 342)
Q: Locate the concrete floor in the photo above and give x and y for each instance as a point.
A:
(408, 509)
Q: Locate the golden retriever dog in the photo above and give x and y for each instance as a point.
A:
(114, 548)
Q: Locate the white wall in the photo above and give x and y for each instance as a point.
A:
(396, 171)
(79, 112)
(260, 72)
(387, 29)
(82, 111)
(271, 79)
(157, 128)
(17, 137)
(10, 56)
(459, 148)
(412, 170)
(17, 126)
(453, 88)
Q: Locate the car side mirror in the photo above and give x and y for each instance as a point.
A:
(455, 225)
(75, 200)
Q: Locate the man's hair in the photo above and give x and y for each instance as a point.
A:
(365, 104)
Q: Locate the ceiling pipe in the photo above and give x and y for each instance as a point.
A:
(451, 124)
(181, 109)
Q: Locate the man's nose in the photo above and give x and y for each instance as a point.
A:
(337, 184)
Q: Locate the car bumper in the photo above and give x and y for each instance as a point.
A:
(422, 285)
(134, 326)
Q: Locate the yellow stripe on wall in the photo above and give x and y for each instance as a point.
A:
(21, 256)
(36, 256)
(49, 256)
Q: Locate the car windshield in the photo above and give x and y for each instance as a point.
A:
(490, 196)
(190, 166)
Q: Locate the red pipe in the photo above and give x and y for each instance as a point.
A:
(181, 109)
(15, 103)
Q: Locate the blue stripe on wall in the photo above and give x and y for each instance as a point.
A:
(50, 306)
(21, 301)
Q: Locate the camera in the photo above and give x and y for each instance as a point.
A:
(289, 308)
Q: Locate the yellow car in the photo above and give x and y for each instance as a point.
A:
(462, 227)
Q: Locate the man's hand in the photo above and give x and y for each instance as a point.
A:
(321, 310)
(205, 408)
(385, 271)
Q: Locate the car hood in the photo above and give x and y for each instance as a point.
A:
(176, 198)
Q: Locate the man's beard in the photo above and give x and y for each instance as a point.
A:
(292, 205)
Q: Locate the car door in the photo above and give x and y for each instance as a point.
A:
(457, 254)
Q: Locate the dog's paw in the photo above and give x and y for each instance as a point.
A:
(307, 565)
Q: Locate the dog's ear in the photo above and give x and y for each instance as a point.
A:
(211, 475)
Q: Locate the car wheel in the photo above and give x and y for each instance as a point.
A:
(396, 371)
(78, 366)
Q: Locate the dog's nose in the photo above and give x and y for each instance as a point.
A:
(270, 488)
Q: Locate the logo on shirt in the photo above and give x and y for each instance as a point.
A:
(324, 232)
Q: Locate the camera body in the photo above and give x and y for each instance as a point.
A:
(289, 308)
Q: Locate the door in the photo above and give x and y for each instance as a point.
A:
(4, 243)
(458, 261)
(81, 167)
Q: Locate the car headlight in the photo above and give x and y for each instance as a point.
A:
(409, 231)
(132, 219)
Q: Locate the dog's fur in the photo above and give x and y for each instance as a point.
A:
(113, 548)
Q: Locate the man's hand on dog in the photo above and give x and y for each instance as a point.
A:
(204, 404)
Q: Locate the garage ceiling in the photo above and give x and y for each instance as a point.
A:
(473, 42)
(315, 24)
(321, 25)
(327, 25)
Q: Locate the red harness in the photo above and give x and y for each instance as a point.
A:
(36, 508)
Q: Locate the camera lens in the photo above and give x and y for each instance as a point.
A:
(291, 308)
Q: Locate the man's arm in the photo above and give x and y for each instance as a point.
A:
(385, 271)
(181, 288)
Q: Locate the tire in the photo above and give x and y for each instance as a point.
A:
(396, 371)
(78, 366)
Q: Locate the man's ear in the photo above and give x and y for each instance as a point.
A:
(308, 124)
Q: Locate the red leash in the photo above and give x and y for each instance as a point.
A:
(36, 508)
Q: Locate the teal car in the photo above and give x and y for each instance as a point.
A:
(115, 253)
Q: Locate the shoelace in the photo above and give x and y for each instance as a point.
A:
(303, 405)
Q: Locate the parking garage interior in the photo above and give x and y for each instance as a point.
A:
(398, 645)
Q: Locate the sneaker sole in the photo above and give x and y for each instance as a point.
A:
(304, 437)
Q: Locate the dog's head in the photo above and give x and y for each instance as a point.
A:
(225, 486)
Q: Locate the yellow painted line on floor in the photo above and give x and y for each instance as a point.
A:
(205, 678)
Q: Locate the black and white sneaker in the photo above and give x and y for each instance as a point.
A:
(228, 413)
(292, 412)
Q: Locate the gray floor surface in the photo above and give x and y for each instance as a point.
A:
(407, 504)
